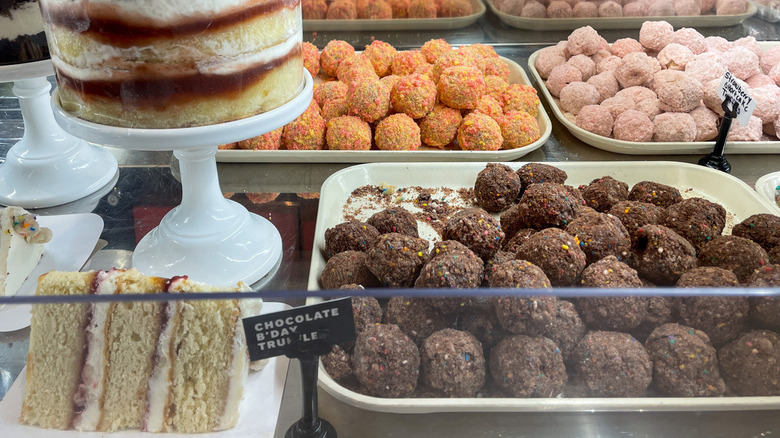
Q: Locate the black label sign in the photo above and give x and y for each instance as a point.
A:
(308, 330)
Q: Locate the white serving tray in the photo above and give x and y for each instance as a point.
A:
(426, 154)
(258, 417)
(545, 24)
(767, 186)
(477, 10)
(737, 197)
(649, 148)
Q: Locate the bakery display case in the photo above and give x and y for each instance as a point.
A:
(303, 193)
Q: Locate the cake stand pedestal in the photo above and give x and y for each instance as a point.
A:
(206, 237)
(48, 166)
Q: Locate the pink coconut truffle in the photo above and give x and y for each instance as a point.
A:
(730, 7)
(595, 119)
(751, 132)
(769, 59)
(585, 10)
(704, 70)
(636, 69)
(511, 7)
(618, 105)
(562, 76)
(717, 43)
(691, 39)
(661, 8)
(650, 106)
(534, 10)
(584, 64)
(677, 91)
(706, 123)
(605, 83)
(675, 56)
(774, 73)
(610, 63)
(742, 62)
(637, 93)
(559, 9)
(600, 55)
(776, 127)
(584, 41)
(760, 80)
(610, 9)
(710, 95)
(767, 104)
(687, 7)
(624, 46)
(674, 127)
(578, 94)
(547, 59)
(655, 35)
(635, 9)
(749, 42)
(707, 6)
(633, 125)
(713, 56)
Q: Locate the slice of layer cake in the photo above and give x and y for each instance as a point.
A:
(21, 247)
(176, 366)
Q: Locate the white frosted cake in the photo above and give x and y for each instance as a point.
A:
(21, 247)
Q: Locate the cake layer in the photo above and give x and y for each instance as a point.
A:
(199, 99)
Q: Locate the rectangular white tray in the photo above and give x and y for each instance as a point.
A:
(516, 76)
(736, 196)
(544, 24)
(648, 148)
(258, 417)
(477, 10)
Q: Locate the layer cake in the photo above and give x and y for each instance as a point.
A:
(178, 63)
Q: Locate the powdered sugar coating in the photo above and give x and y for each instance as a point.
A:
(655, 35)
(677, 91)
(706, 123)
(605, 83)
(584, 41)
(578, 94)
(633, 125)
(675, 56)
(691, 39)
(596, 119)
(562, 76)
(674, 127)
(751, 132)
(742, 62)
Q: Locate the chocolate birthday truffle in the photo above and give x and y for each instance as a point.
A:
(708, 277)
(660, 311)
(523, 366)
(352, 235)
(394, 220)
(662, 255)
(348, 267)
(496, 187)
(386, 362)
(602, 193)
(557, 253)
(685, 364)
(696, 219)
(416, 317)
(722, 318)
(765, 311)
(612, 313)
(338, 364)
(612, 364)
(452, 363)
(750, 365)
(547, 205)
(600, 235)
(476, 229)
(519, 238)
(736, 254)
(365, 311)
(535, 173)
(396, 259)
(634, 214)
(483, 324)
(762, 228)
(654, 193)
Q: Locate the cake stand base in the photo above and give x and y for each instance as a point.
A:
(48, 166)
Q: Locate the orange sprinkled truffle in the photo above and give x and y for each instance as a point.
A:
(335, 108)
(262, 198)
(433, 49)
(405, 63)
(347, 133)
(397, 132)
(389, 81)
(356, 67)
(422, 9)
(478, 51)
(270, 141)
(490, 107)
(381, 56)
(342, 10)
(439, 127)
(425, 69)
(519, 97)
(227, 146)
(400, 8)
(330, 90)
(311, 58)
(461, 87)
(413, 95)
(452, 58)
(519, 129)
(369, 100)
(333, 54)
(307, 132)
(495, 86)
(374, 10)
(313, 9)
(493, 66)
(479, 132)
(454, 8)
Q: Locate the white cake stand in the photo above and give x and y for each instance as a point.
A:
(206, 237)
(47, 166)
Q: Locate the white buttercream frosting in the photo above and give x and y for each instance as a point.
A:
(237, 375)
(18, 255)
(159, 388)
(161, 11)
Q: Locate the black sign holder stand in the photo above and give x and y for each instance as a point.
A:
(716, 159)
(310, 425)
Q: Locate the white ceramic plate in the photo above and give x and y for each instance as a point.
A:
(737, 197)
(427, 154)
(649, 148)
(73, 238)
(769, 187)
(697, 21)
(477, 8)
(259, 410)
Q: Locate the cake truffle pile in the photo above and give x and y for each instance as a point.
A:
(383, 9)
(529, 229)
(630, 8)
(387, 99)
(662, 87)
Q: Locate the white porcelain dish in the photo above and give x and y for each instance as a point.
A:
(769, 187)
(477, 10)
(258, 417)
(546, 24)
(736, 196)
(426, 154)
(648, 148)
(73, 238)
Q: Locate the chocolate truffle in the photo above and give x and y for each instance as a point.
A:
(348, 267)
(476, 229)
(696, 219)
(736, 254)
(458, 270)
(722, 318)
(602, 193)
(556, 253)
(634, 214)
(523, 366)
(600, 235)
(763, 228)
(708, 277)
(416, 317)
(396, 259)
(545, 205)
(535, 173)
(453, 363)
(365, 311)
(654, 193)
(496, 188)
(765, 311)
(519, 238)
(612, 313)
(386, 362)
(353, 235)
(662, 255)
(750, 365)
(483, 324)
(660, 311)
(394, 220)
(338, 364)
(500, 258)
(685, 364)
(518, 274)
(612, 364)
